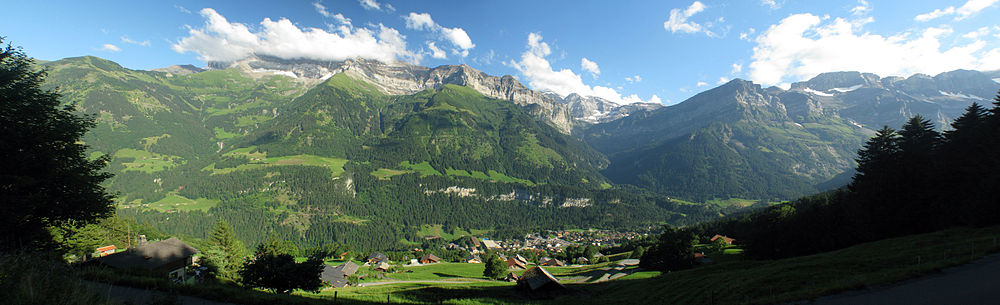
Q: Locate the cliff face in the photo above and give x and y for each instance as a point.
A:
(401, 78)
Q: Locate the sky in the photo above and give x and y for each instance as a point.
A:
(624, 51)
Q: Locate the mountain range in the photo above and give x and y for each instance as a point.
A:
(369, 153)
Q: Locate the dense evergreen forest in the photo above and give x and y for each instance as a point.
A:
(912, 180)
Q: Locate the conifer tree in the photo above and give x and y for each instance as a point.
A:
(227, 251)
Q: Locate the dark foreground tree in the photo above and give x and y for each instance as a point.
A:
(46, 178)
(674, 251)
(280, 273)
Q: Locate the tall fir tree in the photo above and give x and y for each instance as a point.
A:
(227, 252)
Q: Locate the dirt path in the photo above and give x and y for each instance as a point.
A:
(131, 295)
(974, 283)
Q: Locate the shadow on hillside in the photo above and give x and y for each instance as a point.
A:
(447, 275)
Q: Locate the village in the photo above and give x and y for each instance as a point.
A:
(541, 264)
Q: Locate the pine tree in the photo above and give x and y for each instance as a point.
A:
(227, 252)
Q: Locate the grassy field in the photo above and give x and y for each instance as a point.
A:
(260, 159)
(147, 162)
(438, 230)
(178, 203)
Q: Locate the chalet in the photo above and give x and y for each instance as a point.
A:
(337, 276)
(472, 259)
(729, 241)
(514, 264)
(163, 258)
(382, 266)
(538, 279)
(553, 263)
(105, 251)
(429, 259)
(376, 258)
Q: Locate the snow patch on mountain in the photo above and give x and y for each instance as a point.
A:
(959, 95)
(816, 92)
(848, 89)
(997, 80)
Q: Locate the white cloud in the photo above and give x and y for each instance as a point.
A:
(321, 9)
(110, 47)
(772, 4)
(678, 21)
(804, 45)
(862, 8)
(541, 76)
(983, 31)
(746, 35)
(373, 5)
(220, 40)
(144, 43)
(182, 9)
(590, 66)
(701, 84)
(436, 52)
(737, 68)
(966, 10)
(455, 36)
(722, 80)
(633, 79)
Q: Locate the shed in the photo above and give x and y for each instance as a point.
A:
(472, 259)
(106, 250)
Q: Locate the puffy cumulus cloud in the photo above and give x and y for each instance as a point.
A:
(541, 75)
(457, 37)
(804, 45)
(722, 80)
(436, 52)
(678, 21)
(701, 84)
(590, 66)
(968, 9)
(110, 47)
(221, 40)
(736, 68)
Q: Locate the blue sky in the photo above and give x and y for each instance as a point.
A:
(625, 51)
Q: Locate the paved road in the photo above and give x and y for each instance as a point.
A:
(124, 294)
(975, 283)
(415, 281)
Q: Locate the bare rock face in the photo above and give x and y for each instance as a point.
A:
(400, 78)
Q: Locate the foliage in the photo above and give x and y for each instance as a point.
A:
(494, 267)
(39, 278)
(47, 179)
(673, 251)
(226, 251)
(280, 273)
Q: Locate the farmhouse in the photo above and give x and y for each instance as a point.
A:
(429, 259)
(729, 241)
(490, 245)
(163, 258)
(337, 276)
(553, 263)
(521, 259)
(383, 266)
(514, 264)
(538, 279)
(376, 258)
